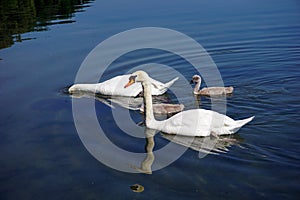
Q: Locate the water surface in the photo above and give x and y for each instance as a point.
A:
(256, 46)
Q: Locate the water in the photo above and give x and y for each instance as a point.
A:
(256, 46)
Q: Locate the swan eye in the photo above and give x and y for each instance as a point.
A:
(132, 78)
(131, 81)
(196, 78)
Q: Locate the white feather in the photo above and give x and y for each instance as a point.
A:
(115, 86)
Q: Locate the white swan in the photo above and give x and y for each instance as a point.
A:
(196, 122)
(209, 91)
(115, 85)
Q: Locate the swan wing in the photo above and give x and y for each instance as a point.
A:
(201, 122)
(197, 122)
(115, 86)
(215, 91)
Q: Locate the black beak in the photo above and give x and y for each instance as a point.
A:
(191, 82)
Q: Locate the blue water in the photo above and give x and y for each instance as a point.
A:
(256, 46)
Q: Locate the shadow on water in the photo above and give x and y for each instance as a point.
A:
(21, 16)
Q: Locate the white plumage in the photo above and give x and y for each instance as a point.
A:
(115, 87)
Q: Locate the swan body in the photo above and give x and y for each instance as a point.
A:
(165, 108)
(196, 122)
(114, 87)
(209, 91)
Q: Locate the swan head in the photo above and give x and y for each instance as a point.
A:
(77, 88)
(196, 79)
(138, 76)
(74, 88)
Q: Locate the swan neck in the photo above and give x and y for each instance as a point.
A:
(197, 87)
(148, 103)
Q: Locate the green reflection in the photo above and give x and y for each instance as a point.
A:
(21, 16)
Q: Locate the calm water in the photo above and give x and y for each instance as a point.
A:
(256, 46)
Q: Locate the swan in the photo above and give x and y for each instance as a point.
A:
(210, 91)
(113, 87)
(196, 122)
(164, 108)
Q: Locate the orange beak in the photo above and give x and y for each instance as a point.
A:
(131, 81)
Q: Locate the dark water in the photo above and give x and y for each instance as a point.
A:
(256, 46)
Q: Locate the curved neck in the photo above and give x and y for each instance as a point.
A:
(148, 103)
(197, 87)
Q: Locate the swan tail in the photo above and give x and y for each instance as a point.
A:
(165, 86)
(170, 83)
(242, 122)
(238, 124)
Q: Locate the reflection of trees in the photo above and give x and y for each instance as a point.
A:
(16, 17)
(21, 16)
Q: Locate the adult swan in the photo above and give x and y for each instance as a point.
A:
(114, 87)
(196, 122)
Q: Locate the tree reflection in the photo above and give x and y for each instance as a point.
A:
(21, 16)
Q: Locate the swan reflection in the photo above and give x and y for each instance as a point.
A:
(134, 103)
(205, 145)
(126, 102)
(146, 164)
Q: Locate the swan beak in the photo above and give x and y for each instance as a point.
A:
(131, 81)
(192, 81)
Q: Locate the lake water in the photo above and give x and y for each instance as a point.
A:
(256, 46)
